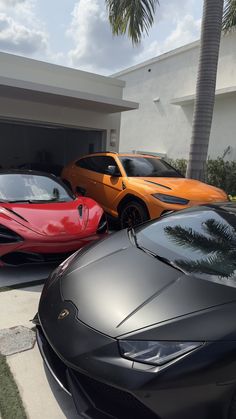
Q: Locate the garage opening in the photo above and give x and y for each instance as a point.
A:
(46, 148)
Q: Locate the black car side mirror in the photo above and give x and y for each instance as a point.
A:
(113, 171)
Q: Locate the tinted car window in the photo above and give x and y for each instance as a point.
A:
(97, 164)
(84, 163)
(148, 167)
(201, 242)
(29, 187)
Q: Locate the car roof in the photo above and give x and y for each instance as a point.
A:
(228, 207)
(28, 172)
(113, 153)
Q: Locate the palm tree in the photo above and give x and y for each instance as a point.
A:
(132, 16)
(135, 17)
(206, 84)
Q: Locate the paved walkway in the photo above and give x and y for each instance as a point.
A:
(41, 396)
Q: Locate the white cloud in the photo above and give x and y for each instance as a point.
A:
(20, 30)
(187, 30)
(95, 48)
(92, 46)
(15, 37)
(11, 3)
(175, 10)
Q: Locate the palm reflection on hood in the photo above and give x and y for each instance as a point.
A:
(218, 244)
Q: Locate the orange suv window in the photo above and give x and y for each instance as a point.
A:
(97, 164)
(148, 167)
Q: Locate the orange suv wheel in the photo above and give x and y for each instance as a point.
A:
(133, 213)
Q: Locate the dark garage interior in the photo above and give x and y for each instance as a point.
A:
(45, 147)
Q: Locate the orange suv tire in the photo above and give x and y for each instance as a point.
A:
(133, 213)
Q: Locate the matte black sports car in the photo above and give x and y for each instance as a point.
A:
(143, 323)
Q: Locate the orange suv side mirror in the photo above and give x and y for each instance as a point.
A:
(113, 171)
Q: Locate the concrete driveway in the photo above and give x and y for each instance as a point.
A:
(41, 396)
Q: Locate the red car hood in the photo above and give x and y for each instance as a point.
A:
(53, 219)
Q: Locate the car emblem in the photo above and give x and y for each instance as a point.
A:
(63, 314)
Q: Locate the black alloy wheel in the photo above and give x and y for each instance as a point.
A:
(132, 214)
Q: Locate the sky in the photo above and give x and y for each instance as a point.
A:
(76, 33)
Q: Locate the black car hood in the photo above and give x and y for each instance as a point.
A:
(117, 288)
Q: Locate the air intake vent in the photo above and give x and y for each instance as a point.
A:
(80, 209)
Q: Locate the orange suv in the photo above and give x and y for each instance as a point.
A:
(136, 187)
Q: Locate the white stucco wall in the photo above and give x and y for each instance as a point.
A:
(165, 127)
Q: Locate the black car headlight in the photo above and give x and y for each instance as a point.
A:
(8, 236)
(155, 352)
(170, 199)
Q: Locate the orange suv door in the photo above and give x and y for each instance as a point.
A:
(94, 177)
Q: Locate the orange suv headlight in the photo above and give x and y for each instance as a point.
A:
(169, 199)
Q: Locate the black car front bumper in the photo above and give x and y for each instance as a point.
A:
(93, 399)
(99, 399)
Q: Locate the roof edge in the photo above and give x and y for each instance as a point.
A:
(161, 57)
(43, 64)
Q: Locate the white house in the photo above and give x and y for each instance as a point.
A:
(50, 114)
(165, 87)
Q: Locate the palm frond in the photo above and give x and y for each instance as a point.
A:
(221, 231)
(134, 17)
(229, 16)
(212, 265)
(187, 237)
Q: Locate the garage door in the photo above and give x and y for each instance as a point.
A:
(46, 148)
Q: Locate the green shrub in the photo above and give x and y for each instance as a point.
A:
(179, 164)
(220, 173)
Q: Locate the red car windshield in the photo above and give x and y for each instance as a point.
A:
(21, 187)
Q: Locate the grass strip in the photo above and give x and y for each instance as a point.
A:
(11, 405)
(22, 285)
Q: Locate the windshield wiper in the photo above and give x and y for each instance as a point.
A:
(33, 201)
(162, 259)
(23, 201)
(131, 231)
(27, 201)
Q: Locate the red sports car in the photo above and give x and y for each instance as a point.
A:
(41, 220)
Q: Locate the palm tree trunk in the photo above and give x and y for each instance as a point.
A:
(206, 83)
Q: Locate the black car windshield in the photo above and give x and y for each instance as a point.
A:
(201, 242)
(22, 187)
(147, 167)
